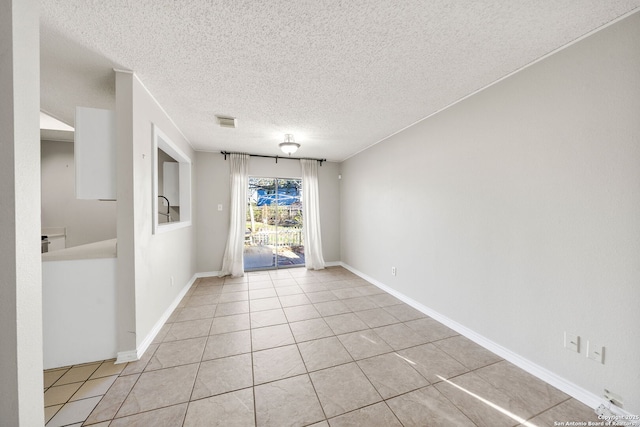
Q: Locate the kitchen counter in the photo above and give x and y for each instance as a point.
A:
(103, 249)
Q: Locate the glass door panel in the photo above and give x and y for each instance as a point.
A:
(274, 224)
(290, 247)
(259, 247)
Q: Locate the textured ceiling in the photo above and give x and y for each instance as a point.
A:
(339, 75)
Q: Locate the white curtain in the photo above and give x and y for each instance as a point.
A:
(311, 210)
(233, 263)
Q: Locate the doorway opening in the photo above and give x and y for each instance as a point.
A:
(274, 237)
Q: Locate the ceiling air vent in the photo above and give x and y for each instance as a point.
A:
(227, 122)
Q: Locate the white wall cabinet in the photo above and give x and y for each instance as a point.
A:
(95, 154)
(57, 243)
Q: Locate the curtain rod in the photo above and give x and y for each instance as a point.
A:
(226, 153)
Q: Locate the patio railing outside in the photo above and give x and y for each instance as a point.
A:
(287, 236)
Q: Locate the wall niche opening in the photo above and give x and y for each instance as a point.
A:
(171, 184)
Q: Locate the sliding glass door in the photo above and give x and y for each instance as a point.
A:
(274, 224)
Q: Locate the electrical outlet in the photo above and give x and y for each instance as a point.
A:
(393, 271)
(595, 352)
(604, 412)
(172, 281)
(220, 207)
(572, 342)
(614, 398)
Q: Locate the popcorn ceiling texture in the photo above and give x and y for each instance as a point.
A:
(339, 75)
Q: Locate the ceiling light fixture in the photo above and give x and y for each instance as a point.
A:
(289, 146)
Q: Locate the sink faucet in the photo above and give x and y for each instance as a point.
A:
(168, 214)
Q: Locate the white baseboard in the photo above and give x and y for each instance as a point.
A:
(578, 393)
(333, 264)
(133, 355)
(207, 274)
(126, 356)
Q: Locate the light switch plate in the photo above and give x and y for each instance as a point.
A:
(572, 342)
(595, 352)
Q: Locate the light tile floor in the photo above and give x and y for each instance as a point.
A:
(297, 348)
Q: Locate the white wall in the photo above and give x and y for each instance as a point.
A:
(212, 188)
(516, 211)
(126, 216)
(86, 221)
(212, 176)
(67, 296)
(21, 398)
(147, 263)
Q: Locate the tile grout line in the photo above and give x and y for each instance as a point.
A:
(62, 385)
(452, 402)
(548, 409)
(134, 384)
(308, 374)
(195, 378)
(66, 369)
(253, 373)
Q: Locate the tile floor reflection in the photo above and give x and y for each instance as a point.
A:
(304, 348)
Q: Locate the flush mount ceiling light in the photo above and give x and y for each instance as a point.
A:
(289, 146)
